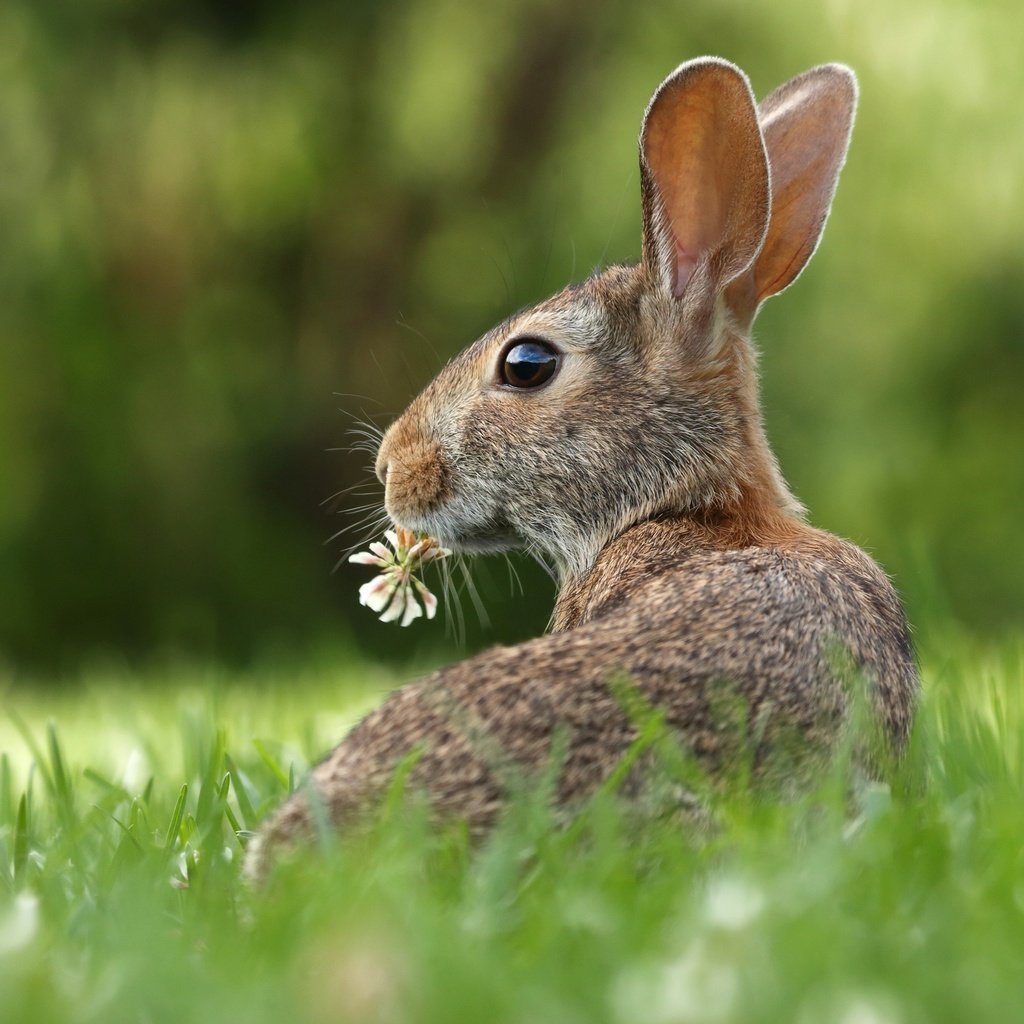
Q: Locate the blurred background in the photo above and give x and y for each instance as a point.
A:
(229, 228)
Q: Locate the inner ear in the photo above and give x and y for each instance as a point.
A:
(806, 124)
(704, 176)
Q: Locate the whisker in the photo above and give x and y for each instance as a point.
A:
(405, 325)
(515, 583)
(338, 505)
(360, 418)
(474, 595)
(367, 430)
(374, 518)
(370, 447)
(539, 558)
(456, 618)
(371, 442)
(353, 489)
(369, 510)
(371, 534)
(349, 394)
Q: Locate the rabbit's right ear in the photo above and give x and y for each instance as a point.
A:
(704, 180)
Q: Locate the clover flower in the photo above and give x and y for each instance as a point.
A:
(393, 593)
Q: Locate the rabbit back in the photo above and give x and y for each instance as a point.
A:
(746, 653)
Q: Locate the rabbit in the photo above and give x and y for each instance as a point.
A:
(616, 429)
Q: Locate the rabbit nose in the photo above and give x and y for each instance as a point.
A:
(382, 468)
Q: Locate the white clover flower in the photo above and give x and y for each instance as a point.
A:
(732, 902)
(695, 987)
(393, 593)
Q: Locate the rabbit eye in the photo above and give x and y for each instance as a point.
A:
(528, 364)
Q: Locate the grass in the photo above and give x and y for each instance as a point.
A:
(120, 898)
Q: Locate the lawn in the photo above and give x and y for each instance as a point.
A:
(122, 800)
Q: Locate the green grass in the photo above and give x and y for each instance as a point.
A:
(120, 898)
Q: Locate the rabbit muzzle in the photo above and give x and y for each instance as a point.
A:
(416, 477)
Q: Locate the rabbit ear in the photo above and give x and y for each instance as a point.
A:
(704, 178)
(806, 124)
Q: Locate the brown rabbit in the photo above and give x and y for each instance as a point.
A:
(616, 429)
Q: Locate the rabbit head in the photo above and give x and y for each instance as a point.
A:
(634, 393)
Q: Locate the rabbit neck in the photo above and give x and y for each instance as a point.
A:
(755, 501)
(666, 544)
(744, 504)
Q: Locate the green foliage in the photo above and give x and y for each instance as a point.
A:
(223, 221)
(120, 897)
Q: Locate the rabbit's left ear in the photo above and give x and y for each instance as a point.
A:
(704, 179)
(806, 124)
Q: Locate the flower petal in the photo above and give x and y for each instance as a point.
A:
(366, 558)
(377, 593)
(412, 609)
(382, 552)
(397, 606)
(428, 599)
(417, 549)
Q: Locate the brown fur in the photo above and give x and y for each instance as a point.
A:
(643, 471)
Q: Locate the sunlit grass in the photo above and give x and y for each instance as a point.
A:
(122, 824)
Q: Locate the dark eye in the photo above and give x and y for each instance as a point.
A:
(529, 364)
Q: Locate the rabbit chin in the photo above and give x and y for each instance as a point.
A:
(465, 538)
(482, 543)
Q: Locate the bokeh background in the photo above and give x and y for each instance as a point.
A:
(228, 228)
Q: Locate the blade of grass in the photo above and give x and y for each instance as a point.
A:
(271, 762)
(176, 815)
(240, 787)
(6, 790)
(21, 841)
(62, 788)
(30, 741)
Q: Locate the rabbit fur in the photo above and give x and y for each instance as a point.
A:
(642, 470)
